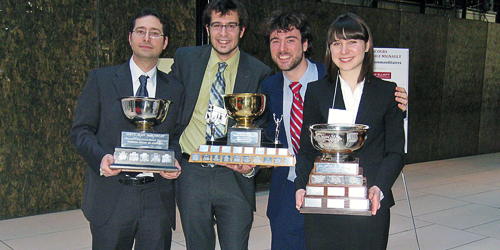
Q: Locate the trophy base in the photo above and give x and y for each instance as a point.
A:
(336, 187)
(338, 211)
(143, 160)
(264, 143)
(143, 168)
(264, 157)
(336, 205)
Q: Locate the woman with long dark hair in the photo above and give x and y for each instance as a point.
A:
(351, 87)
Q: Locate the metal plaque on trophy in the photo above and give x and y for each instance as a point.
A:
(336, 183)
(144, 150)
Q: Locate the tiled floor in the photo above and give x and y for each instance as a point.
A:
(455, 202)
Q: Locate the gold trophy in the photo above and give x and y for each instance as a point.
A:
(245, 108)
(336, 184)
(144, 150)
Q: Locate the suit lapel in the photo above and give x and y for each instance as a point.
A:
(161, 86)
(367, 98)
(200, 62)
(123, 81)
(339, 98)
(243, 75)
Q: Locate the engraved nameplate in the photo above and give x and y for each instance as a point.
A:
(131, 139)
(336, 168)
(244, 137)
(143, 160)
(329, 179)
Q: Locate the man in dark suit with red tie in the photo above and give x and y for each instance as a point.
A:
(124, 209)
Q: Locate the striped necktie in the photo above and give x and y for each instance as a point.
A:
(216, 91)
(296, 115)
(143, 91)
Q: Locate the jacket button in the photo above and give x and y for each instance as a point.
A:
(120, 180)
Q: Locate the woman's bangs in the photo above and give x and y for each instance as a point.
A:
(348, 29)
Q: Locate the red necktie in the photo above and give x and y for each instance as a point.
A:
(296, 115)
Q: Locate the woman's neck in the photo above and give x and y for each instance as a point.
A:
(351, 77)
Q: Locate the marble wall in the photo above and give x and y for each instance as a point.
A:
(49, 46)
(427, 60)
(489, 137)
(462, 88)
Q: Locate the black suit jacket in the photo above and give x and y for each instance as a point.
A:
(189, 66)
(382, 155)
(98, 123)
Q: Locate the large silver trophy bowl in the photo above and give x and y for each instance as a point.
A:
(145, 112)
(337, 142)
(244, 108)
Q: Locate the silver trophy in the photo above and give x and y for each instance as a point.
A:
(144, 150)
(336, 183)
(337, 142)
(145, 112)
(277, 131)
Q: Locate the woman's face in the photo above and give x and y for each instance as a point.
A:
(348, 54)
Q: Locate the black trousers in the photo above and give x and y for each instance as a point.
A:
(209, 196)
(139, 217)
(347, 231)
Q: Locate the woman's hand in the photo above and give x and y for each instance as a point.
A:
(374, 197)
(299, 198)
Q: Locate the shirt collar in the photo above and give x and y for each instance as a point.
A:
(344, 84)
(215, 60)
(310, 75)
(137, 72)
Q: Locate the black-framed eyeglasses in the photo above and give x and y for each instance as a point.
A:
(153, 34)
(229, 26)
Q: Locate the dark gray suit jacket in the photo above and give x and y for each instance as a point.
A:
(189, 66)
(98, 123)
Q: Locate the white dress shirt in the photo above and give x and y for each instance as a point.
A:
(310, 75)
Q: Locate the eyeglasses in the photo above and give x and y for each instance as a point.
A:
(154, 34)
(219, 26)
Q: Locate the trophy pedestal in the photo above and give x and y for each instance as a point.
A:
(336, 187)
(144, 152)
(263, 143)
(143, 160)
(264, 157)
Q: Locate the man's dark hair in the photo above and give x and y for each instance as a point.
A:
(223, 7)
(152, 12)
(286, 20)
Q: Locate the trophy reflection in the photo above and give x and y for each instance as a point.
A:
(336, 184)
(144, 150)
